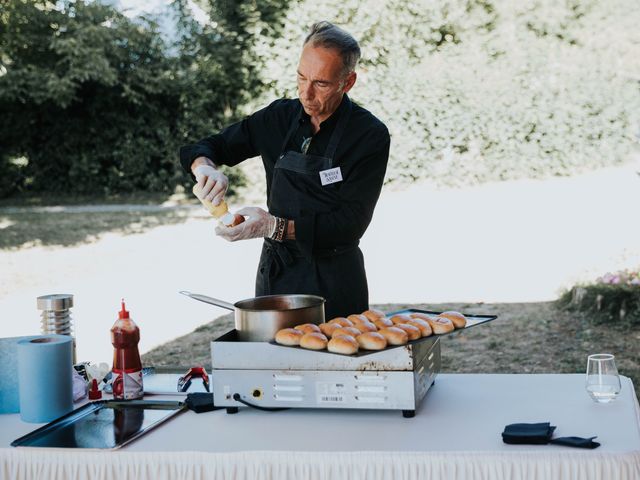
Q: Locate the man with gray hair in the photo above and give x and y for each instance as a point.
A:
(325, 159)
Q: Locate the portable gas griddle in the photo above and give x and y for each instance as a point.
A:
(268, 376)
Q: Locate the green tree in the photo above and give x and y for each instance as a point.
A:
(484, 90)
(220, 68)
(93, 102)
(88, 99)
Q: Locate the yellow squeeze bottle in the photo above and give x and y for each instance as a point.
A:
(217, 211)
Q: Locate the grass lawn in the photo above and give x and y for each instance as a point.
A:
(525, 338)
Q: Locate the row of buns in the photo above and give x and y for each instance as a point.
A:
(370, 330)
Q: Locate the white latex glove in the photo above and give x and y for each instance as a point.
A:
(258, 224)
(213, 183)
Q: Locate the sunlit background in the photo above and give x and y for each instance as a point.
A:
(514, 170)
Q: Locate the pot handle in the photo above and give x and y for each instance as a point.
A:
(209, 300)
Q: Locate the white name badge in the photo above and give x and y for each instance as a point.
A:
(333, 175)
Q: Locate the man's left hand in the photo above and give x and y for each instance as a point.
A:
(258, 224)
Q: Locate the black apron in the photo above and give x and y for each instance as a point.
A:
(337, 274)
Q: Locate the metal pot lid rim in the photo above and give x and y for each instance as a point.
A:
(319, 300)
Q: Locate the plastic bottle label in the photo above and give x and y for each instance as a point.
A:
(127, 385)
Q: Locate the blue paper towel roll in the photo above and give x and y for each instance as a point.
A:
(9, 402)
(45, 377)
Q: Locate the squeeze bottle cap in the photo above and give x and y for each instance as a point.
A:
(124, 313)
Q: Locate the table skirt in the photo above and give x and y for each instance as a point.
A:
(52, 464)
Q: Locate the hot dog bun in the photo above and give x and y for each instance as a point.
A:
(328, 328)
(394, 335)
(231, 219)
(373, 314)
(343, 344)
(441, 325)
(383, 322)
(458, 319)
(348, 331)
(357, 318)
(314, 341)
(308, 328)
(289, 336)
(343, 322)
(423, 326)
(412, 331)
(366, 327)
(371, 341)
(400, 318)
(421, 316)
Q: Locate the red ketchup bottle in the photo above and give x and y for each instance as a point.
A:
(127, 367)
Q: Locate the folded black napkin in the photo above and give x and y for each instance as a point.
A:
(540, 434)
(577, 442)
(530, 433)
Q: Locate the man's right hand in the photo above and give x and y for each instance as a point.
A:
(213, 183)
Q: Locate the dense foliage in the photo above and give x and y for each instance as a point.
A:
(477, 90)
(95, 103)
(88, 100)
(605, 302)
(472, 90)
(615, 296)
(219, 66)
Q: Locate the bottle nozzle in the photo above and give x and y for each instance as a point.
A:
(123, 313)
(94, 392)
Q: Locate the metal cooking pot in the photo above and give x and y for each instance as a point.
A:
(258, 319)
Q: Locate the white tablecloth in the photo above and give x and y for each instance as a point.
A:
(455, 435)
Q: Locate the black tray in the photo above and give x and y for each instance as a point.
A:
(472, 321)
(105, 424)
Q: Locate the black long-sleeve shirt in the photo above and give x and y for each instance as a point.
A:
(362, 156)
